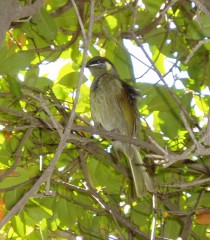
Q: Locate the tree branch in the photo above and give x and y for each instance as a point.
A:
(10, 11)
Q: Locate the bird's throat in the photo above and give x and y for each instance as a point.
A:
(97, 81)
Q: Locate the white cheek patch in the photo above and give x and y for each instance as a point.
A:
(108, 66)
(93, 65)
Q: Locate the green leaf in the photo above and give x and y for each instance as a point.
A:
(169, 119)
(158, 59)
(144, 18)
(67, 17)
(31, 75)
(13, 196)
(5, 156)
(66, 69)
(172, 229)
(66, 212)
(104, 176)
(202, 104)
(158, 98)
(60, 91)
(199, 29)
(38, 211)
(111, 21)
(3, 53)
(153, 6)
(198, 70)
(84, 100)
(201, 231)
(140, 215)
(14, 86)
(70, 80)
(21, 175)
(16, 62)
(76, 55)
(19, 226)
(121, 59)
(44, 228)
(38, 82)
(46, 24)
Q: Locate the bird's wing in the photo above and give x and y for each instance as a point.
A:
(128, 108)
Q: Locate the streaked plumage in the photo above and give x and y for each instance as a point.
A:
(113, 108)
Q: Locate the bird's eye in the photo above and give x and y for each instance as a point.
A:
(98, 62)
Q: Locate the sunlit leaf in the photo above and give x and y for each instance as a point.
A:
(111, 21)
(158, 59)
(19, 226)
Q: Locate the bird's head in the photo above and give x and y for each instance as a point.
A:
(99, 66)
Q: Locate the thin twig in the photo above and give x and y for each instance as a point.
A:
(43, 104)
(157, 146)
(190, 131)
(80, 19)
(190, 184)
(194, 50)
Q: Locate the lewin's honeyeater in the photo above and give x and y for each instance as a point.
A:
(113, 108)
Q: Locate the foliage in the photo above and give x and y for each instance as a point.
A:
(71, 183)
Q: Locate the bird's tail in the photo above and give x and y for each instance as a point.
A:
(141, 178)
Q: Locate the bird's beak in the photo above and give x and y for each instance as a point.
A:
(86, 66)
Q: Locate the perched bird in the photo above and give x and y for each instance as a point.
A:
(113, 108)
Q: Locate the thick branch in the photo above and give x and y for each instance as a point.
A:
(10, 11)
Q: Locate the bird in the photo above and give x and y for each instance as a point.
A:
(113, 105)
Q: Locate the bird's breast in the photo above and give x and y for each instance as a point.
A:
(105, 108)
